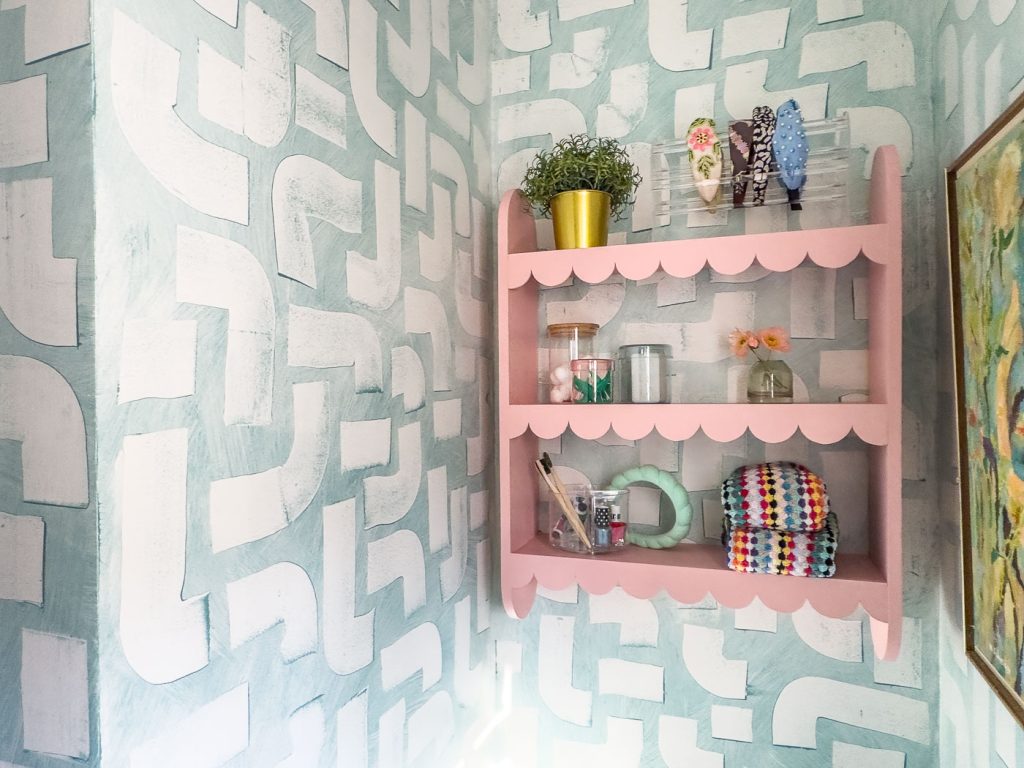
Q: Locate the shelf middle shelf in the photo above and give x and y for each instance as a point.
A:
(823, 423)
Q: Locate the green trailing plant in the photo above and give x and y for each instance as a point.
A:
(582, 162)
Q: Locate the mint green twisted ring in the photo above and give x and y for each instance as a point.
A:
(648, 473)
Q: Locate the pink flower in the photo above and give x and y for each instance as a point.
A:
(741, 341)
(775, 339)
(701, 139)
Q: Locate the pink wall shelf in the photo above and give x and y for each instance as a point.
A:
(689, 572)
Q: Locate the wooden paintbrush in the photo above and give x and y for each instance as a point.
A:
(563, 502)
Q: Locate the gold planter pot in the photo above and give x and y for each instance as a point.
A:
(580, 218)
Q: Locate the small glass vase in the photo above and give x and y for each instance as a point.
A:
(770, 381)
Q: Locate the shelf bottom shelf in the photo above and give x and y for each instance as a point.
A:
(690, 572)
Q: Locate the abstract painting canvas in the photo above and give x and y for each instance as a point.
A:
(984, 191)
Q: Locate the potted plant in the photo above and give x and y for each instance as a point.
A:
(580, 183)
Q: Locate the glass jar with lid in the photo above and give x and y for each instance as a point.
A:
(566, 342)
(643, 373)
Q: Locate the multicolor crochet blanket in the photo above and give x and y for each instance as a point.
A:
(779, 495)
(762, 550)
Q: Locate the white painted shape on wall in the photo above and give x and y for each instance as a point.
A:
(644, 504)
(675, 290)
(447, 418)
(745, 89)
(348, 637)
(408, 378)
(677, 744)
(861, 297)
(217, 272)
(470, 682)
(872, 127)
(672, 45)
(212, 735)
(23, 135)
(949, 69)
(417, 651)
(21, 558)
(374, 283)
(279, 594)
(843, 369)
(480, 447)
(993, 99)
(838, 639)
(249, 507)
(225, 10)
(581, 66)
(567, 596)
(331, 30)
(266, 77)
(707, 341)
(980, 720)
(479, 506)
(352, 727)
(642, 214)
(1005, 737)
(425, 313)
(521, 30)
(632, 679)
(410, 62)
(387, 498)
(637, 619)
(158, 359)
(712, 515)
(756, 617)
(391, 737)
(753, 32)
(452, 110)
(691, 103)
(554, 671)
(440, 27)
(38, 293)
(415, 157)
(1000, 10)
(164, 638)
(837, 10)
(704, 660)
(39, 409)
(812, 303)
(732, 723)
(318, 338)
(965, 8)
(446, 160)
(454, 568)
(144, 75)
(398, 556)
(320, 108)
(307, 730)
(885, 47)
(847, 473)
(627, 101)
(377, 117)
(542, 117)
(306, 188)
(512, 75)
(906, 669)
(436, 251)
(472, 78)
(804, 700)
(365, 444)
(54, 694)
(51, 26)
(855, 756)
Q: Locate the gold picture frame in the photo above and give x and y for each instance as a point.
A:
(986, 250)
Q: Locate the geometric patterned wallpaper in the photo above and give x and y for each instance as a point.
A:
(275, 384)
(48, 525)
(613, 680)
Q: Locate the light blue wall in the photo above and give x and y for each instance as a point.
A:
(978, 71)
(294, 454)
(47, 384)
(613, 680)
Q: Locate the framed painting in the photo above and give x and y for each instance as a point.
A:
(985, 194)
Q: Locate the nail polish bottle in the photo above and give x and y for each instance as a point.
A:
(602, 526)
(618, 527)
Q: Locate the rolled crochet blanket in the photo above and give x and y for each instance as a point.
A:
(779, 495)
(762, 550)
